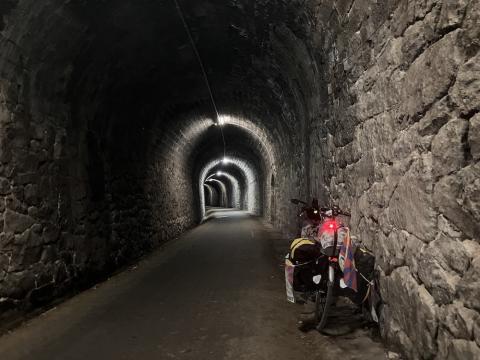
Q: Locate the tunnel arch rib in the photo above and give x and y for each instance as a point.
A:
(223, 200)
(236, 191)
(250, 174)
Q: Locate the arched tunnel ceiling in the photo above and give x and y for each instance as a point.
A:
(126, 82)
(238, 142)
(117, 51)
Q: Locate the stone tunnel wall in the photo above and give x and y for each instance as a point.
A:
(77, 205)
(76, 199)
(400, 147)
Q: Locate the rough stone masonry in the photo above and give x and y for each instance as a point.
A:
(372, 104)
(402, 135)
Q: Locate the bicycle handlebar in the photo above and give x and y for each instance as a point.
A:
(324, 212)
(333, 211)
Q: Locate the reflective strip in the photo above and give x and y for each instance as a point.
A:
(295, 242)
(300, 243)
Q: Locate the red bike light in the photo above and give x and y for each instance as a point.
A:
(329, 225)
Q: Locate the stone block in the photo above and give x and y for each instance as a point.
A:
(476, 330)
(389, 250)
(463, 350)
(447, 228)
(5, 187)
(17, 191)
(14, 204)
(465, 93)
(452, 253)
(343, 6)
(469, 286)
(43, 294)
(451, 14)
(31, 194)
(437, 116)
(472, 248)
(31, 255)
(33, 212)
(457, 196)
(5, 114)
(17, 223)
(411, 206)
(17, 285)
(376, 133)
(4, 261)
(431, 74)
(448, 148)
(61, 272)
(474, 137)
(403, 17)
(405, 144)
(7, 241)
(23, 238)
(459, 320)
(440, 282)
(25, 178)
(444, 339)
(49, 254)
(51, 233)
(418, 36)
(413, 252)
(420, 8)
(470, 37)
(37, 228)
(397, 337)
(412, 308)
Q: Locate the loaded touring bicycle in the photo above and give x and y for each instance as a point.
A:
(325, 263)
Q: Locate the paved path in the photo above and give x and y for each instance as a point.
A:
(216, 293)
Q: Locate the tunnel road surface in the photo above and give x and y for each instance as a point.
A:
(215, 293)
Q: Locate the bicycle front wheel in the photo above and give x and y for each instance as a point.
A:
(322, 304)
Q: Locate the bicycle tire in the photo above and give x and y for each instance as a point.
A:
(322, 304)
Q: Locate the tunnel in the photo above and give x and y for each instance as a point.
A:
(124, 123)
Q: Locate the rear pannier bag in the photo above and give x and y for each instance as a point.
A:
(365, 265)
(304, 250)
(301, 264)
